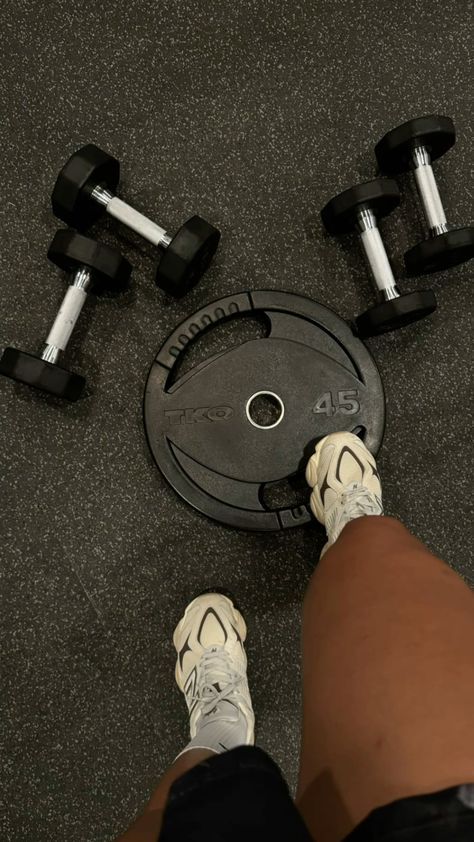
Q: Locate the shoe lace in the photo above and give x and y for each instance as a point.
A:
(217, 679)
(357, 501)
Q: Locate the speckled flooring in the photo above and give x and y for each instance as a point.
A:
(252, 114)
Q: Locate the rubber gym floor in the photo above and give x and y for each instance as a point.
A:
(252, 114)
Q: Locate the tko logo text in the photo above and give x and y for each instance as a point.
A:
(198, 416)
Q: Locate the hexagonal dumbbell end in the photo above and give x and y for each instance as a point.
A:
(72, 194)
(187, 257)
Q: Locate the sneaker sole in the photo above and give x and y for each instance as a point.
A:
(222, 592)
(319, 513)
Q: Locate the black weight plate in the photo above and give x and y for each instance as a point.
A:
(71, 251)
(390, 315)
(394, 151)
(340, 214)
(197, 426)
(33, 371)
(441, 252)
(85, 169)
(187, 257)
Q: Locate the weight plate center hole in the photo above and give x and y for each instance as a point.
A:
(265, 410)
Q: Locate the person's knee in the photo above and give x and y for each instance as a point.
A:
(366, 547)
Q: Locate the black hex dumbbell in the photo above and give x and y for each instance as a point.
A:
(360, 207)
(94, 267)
(85, 189)
(413, 146)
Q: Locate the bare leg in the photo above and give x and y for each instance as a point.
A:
(388, 674)
(147, 827)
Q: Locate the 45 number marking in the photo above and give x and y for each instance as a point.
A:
(345, 401)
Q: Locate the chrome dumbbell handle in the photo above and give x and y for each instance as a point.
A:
(68, 314)
(428, 191)
(376, 256)
(130, 217)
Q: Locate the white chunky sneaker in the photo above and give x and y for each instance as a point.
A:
(211, 671)
(345, 483)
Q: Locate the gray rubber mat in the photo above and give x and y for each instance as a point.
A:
(252, 115)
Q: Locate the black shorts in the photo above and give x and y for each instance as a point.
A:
(242, 795)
